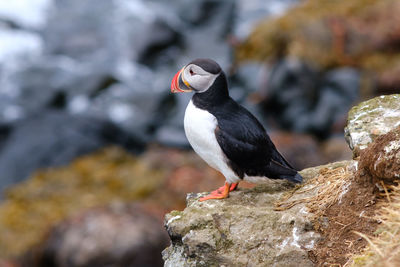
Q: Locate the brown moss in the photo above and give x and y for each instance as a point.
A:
(384, 249)
(381, 159)
(341, 221)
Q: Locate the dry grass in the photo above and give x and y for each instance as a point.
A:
(384, 249)
(330, 185)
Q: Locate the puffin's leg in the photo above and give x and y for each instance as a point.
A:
(233, 187)
(219, 195)
(221, 189)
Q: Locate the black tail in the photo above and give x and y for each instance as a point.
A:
(296, 179)
(276, 170)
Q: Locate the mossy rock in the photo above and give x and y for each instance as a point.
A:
(371, 119)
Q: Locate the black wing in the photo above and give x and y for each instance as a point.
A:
(247, 145)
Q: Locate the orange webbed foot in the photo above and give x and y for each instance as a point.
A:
(220, 193)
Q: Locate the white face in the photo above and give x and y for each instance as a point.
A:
(198, 78)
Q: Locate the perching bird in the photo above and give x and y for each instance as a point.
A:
(223, 133)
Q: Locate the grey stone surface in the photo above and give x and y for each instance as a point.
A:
(370, 119)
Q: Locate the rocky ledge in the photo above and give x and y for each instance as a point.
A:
(245, 229)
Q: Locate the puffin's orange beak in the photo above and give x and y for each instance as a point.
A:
(178, 85)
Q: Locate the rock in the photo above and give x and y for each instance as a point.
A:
(240, 230)
(79, 30)
(55, 138)
(249, 77)
(153, 45)
(126, 105)
(49, 82)
(118, 235)
(198, 12)
(382, 157)
(371, 119)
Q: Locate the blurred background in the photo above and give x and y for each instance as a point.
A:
(92, 148)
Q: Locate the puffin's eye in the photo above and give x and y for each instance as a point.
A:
(191, 72)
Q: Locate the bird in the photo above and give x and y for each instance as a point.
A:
(225, 134)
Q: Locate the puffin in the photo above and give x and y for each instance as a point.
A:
(225, 134)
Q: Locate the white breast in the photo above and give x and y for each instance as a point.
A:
(199, 128)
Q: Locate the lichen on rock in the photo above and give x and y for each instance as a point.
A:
(371, 119)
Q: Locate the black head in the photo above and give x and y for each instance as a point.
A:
(207, 64)
(203, 76)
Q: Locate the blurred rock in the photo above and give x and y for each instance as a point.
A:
(80, 30)
(129, 107)
(382, 157)
(50, 82)
(199, 12)
(371, 119)
(55, 138)
(108, 176)
(119, 235)
(249, 77)
(304, 101)
(152, 45)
